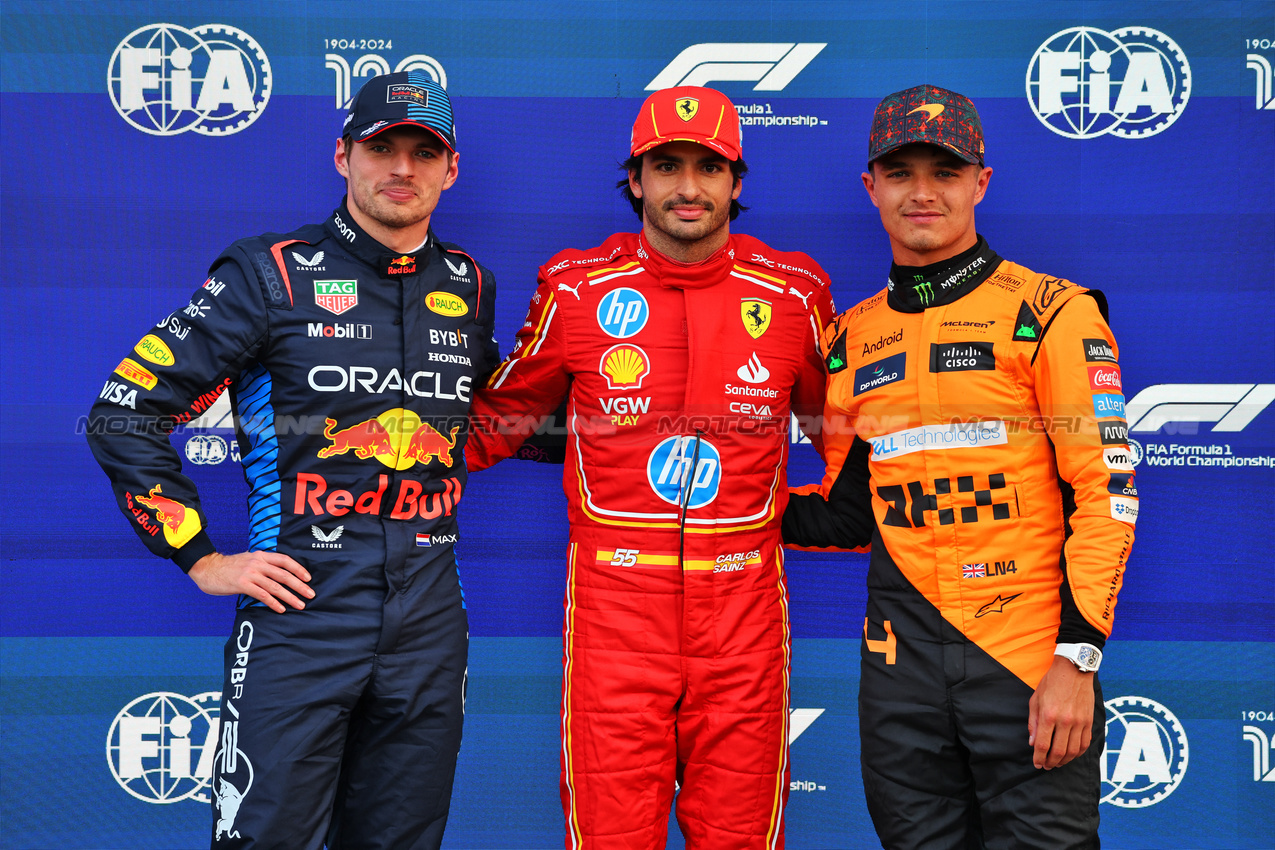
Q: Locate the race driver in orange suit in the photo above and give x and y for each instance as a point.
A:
(680, 351)
(975, 437)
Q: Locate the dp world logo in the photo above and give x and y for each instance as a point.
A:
(1146, 753)
(165, 79)
(1131, 82)
(160, 748)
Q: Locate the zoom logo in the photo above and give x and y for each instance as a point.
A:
(165, 79)
(1131, 82)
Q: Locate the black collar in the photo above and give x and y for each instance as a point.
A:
(913, 288)
(344, 229)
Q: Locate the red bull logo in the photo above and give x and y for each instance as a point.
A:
(178, 524)
(402, 265)
(397, 438)
(366, 439)
(414, 498)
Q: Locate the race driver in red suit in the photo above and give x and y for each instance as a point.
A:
(680, 351)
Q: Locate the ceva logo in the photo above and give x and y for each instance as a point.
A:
(1131, 82)
(771, 65)
(165, 79)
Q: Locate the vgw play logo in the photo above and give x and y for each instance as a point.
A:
(1131, 82)
(165, 79)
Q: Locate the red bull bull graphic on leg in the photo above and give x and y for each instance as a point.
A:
(397, 438)
(179, 524)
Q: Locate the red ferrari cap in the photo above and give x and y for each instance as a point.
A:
(688, 114)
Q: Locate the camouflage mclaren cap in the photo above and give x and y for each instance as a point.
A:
(927, 114)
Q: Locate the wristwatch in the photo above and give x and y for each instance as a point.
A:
(1085, 656)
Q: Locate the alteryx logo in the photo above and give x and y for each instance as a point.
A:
(880, 373)
(771, 65)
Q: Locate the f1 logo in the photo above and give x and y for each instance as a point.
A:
(1231, 406)
(772, 66)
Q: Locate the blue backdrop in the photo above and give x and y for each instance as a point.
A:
(1134, 151)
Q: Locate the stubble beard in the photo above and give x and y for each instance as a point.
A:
(386, 213)
(686, 232)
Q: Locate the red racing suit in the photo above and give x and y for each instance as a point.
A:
(679, 381)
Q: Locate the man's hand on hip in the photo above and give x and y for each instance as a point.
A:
(266, 576)
(1060, 715)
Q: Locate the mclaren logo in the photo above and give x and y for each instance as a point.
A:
(771, 65)
(931, 110)
(687, 107)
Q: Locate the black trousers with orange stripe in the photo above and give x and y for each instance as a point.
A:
(944, 743)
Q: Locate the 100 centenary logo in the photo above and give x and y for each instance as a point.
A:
(165, 79)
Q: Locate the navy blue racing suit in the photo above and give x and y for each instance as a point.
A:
(350, 370)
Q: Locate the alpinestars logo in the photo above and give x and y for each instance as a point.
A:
(772, 65)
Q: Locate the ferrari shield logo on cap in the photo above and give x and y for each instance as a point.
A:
(687, 107)
(756, 316)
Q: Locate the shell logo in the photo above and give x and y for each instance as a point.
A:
(446, 304)
(624, 366)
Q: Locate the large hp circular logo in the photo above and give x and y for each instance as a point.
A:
(685, 470)
(160, 747)
(1130, 82)
(1146, 753)
(165, 79)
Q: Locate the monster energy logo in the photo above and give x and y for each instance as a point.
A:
(925, 291)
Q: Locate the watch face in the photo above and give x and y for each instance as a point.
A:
(1087, 658)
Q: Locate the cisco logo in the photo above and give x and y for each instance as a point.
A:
(1146, 753)
(1131, 82)
(165, 79)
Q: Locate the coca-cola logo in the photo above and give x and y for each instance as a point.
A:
(1103, 378)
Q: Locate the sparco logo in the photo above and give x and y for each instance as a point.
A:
(160, 746)
(165, 79)
(772, 65)
(1146, 753)
(1130, 82)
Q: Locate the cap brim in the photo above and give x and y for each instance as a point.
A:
(964, 156)
(711, 144)
(404, 123)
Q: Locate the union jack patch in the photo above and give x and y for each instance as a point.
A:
(973, 570)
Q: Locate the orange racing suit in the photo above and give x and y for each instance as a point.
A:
(975, 436)
(679, 380)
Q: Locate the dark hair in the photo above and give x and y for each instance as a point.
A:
(633, 164)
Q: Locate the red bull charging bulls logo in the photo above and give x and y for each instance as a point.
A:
(397, 438)
(178, 523)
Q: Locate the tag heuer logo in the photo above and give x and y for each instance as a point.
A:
(336, 296)
(687, 107)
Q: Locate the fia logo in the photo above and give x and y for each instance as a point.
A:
(1131, 82)
(372, 65)
(1145, 756)
(165, 79)
(772, 65)
(206, 449)
(160, 746)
